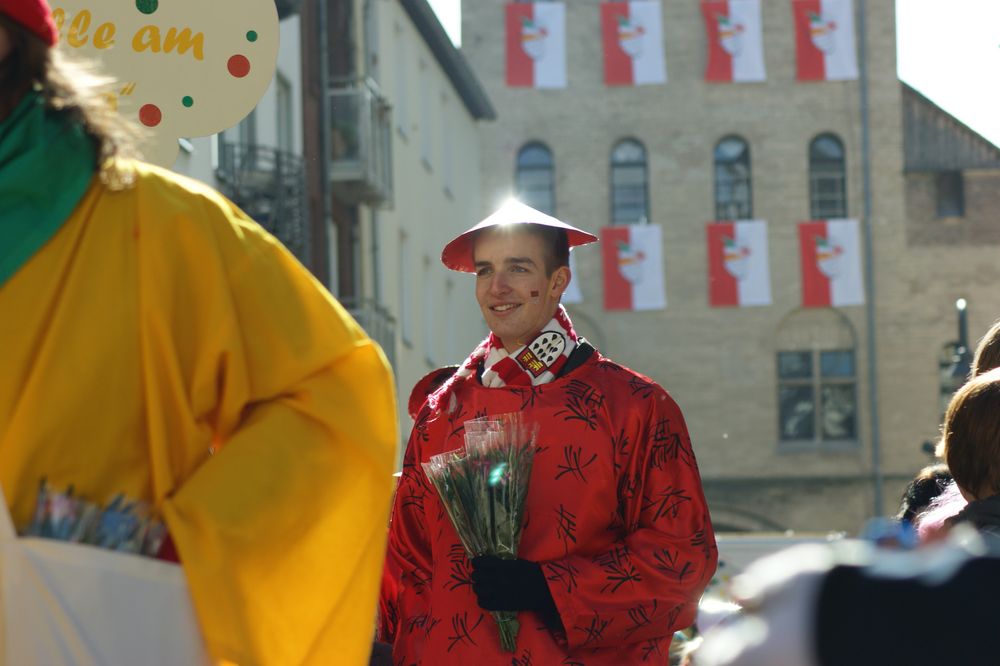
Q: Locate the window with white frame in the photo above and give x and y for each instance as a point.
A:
(430, 295)
(285, 117)
(400, 107)
(827, 178)
(949, 194)
(733, 194)
(534, 178)
(446, 148)
(405, 290)
(248, 140)
(817, 381)
(629, 183)
(426, 133)
(450, 343)
(248, 128)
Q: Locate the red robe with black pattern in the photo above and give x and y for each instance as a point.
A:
(615, 515)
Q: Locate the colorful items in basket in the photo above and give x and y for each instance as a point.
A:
(124, 526)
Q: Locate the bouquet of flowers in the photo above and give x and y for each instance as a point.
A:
(484, 488)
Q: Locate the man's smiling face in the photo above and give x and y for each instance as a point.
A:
(516, 296)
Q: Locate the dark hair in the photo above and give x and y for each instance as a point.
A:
(556, 246)
(970, 440)
(987, 351)
(554, 241)
(69, 91)
(925, 486)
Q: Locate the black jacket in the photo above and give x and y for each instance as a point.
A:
(946, 615)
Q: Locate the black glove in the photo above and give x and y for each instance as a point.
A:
(513, 585)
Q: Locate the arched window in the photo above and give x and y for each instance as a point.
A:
(629, 189)
(817, 380)
(733, 197)
(535, 178)
(827, 178)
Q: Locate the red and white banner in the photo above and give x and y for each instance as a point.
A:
(536, 45)
(738, 270)
(735, 41)
(633, 267)
(633, 43)
(831, 264)
(824, 40)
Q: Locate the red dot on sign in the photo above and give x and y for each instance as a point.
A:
(238, 66)
(150, 115)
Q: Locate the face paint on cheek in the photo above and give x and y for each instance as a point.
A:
(535, 296)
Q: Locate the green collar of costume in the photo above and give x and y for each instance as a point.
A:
(46, 165)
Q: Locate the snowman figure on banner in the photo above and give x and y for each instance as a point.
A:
(631, 33)
(736, 258)
(730, 35)
(822, 30)
(533, 36)
(829, 257)
(630, 262)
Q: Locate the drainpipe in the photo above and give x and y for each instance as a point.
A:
(326, 223)
(866, 176)
(370, 69)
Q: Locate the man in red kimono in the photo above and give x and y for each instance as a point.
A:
(617, 544)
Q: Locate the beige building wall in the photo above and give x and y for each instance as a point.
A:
(720, 363)
(437, 195)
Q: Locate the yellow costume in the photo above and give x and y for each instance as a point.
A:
(159, 323)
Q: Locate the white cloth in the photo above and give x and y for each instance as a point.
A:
(66, 604)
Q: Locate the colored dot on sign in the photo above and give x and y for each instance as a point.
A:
(188, 101)
(252, 36)
(150, 115)
(238, 66)
(147, 6)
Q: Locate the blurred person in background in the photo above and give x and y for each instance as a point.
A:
(820, 605)
(987, 354)
(144, 321)
(921, 491)
(970, 444)
(802, 604)
(933, 521)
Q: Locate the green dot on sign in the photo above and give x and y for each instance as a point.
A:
(188, 101)
(147, 6)
(252, 36)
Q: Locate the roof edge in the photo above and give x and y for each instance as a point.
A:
(908, 89)
(451, 60)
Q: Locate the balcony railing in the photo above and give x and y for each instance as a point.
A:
(268, 185)
(379, 325)
(361, 144)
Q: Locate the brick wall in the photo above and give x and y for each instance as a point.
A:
(720, 363)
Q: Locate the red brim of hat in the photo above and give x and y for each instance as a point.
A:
(457, 254)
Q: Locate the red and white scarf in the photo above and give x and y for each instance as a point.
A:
(537, 362)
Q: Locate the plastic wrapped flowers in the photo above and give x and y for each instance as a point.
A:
(484, 488)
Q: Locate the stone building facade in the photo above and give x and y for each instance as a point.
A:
(724, 365)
